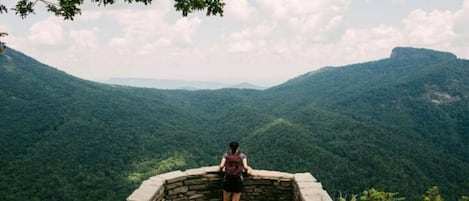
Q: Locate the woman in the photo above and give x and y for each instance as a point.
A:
(234, 163)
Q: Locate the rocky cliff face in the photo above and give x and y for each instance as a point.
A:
(401, 53)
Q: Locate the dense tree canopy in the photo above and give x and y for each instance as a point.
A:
(69, 8)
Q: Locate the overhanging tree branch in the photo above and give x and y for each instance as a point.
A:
(68, 9)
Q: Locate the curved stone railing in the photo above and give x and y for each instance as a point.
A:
(204, 184)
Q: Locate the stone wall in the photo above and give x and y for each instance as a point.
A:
(204, 184)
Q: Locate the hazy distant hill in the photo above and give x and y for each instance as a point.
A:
(177, 84)
(398, 124)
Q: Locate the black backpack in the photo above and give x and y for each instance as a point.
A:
(233, 165)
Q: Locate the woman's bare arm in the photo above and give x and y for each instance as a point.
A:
(222, 163)
(246, 166)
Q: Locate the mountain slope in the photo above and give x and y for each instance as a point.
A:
(63, 136)
(403, 91)
(418, 97)
(398, 124)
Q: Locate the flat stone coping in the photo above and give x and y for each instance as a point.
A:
(309, 189)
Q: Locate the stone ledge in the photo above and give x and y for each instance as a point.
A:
(304, 177)
(205, 184)
(271, 174)
(147, 190)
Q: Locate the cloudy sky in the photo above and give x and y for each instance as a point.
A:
(264, 42)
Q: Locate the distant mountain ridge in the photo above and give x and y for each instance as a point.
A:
(399, 124)
(178, 84)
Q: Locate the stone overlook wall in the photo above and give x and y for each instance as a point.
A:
(204, 184)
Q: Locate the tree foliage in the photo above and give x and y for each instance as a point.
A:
(68, 9)
(374, 195)
(433, 194)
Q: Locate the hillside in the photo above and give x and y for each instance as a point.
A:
(398, 124)
(413, 106)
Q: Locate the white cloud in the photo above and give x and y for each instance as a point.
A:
(238, 9)
(46, 32)
(462, 18)
(400, 2)
(184, 29)
(257, 32)
(150, 30)
(245, 46)
(248, 40)
(4, 28)
(429, 28)
(443, 30)
(89, 15)
(84, 39)
(317, 21)
(138, 27)
(461, 26)
(117, 42)
(374, 42)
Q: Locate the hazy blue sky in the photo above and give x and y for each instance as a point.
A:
(263, 42)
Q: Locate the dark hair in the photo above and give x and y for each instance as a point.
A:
(234, 146)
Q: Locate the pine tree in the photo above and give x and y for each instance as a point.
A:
(433, 194)
(374, 195)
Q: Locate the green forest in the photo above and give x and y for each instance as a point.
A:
(400, 124)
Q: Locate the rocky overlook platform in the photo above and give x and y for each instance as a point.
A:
(204, 184)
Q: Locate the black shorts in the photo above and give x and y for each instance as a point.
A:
(233, 184)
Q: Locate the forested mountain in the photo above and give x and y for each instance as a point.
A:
(398, 124)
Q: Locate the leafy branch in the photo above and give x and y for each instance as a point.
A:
(68, 9)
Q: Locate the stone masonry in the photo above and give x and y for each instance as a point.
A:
(204, 184)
